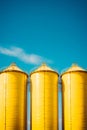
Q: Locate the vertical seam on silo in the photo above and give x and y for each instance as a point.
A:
(5, 99)
(62, 93)
(26, 83)
(70, 105)
(30, 105)
(44, 100)
(24, 103)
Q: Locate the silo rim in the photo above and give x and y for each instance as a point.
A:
(43, 71)
(83, 71)
(14, 71)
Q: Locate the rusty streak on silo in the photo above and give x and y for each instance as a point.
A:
(13, 99)
(44, 99)
(74, 99)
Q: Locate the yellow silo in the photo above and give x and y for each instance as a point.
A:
(74, 99)
(13, 99)
(44, 99)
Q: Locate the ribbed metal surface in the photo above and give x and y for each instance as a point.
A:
(44, 100)
(13, 100)
(74, 96)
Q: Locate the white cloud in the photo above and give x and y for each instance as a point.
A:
(22, 55)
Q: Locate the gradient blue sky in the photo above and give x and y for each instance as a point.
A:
(54, 31)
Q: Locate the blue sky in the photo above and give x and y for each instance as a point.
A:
(52, 31)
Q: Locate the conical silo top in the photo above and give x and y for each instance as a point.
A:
(74, 68)
(13, 67)
(44, 68)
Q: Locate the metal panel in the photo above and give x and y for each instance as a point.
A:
(13, 101)
(74, 94)
(2, 102)
(44, 100)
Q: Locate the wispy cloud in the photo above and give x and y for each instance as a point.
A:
(23, 56)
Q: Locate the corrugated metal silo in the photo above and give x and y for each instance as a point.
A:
(13, 99)
(44, 99)
(74, 99)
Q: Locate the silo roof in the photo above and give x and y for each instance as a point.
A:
(74, 68)
(44, 68)
(13, 67)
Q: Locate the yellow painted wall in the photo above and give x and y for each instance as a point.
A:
(74, 94)
(13, 101)
(44, 101)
